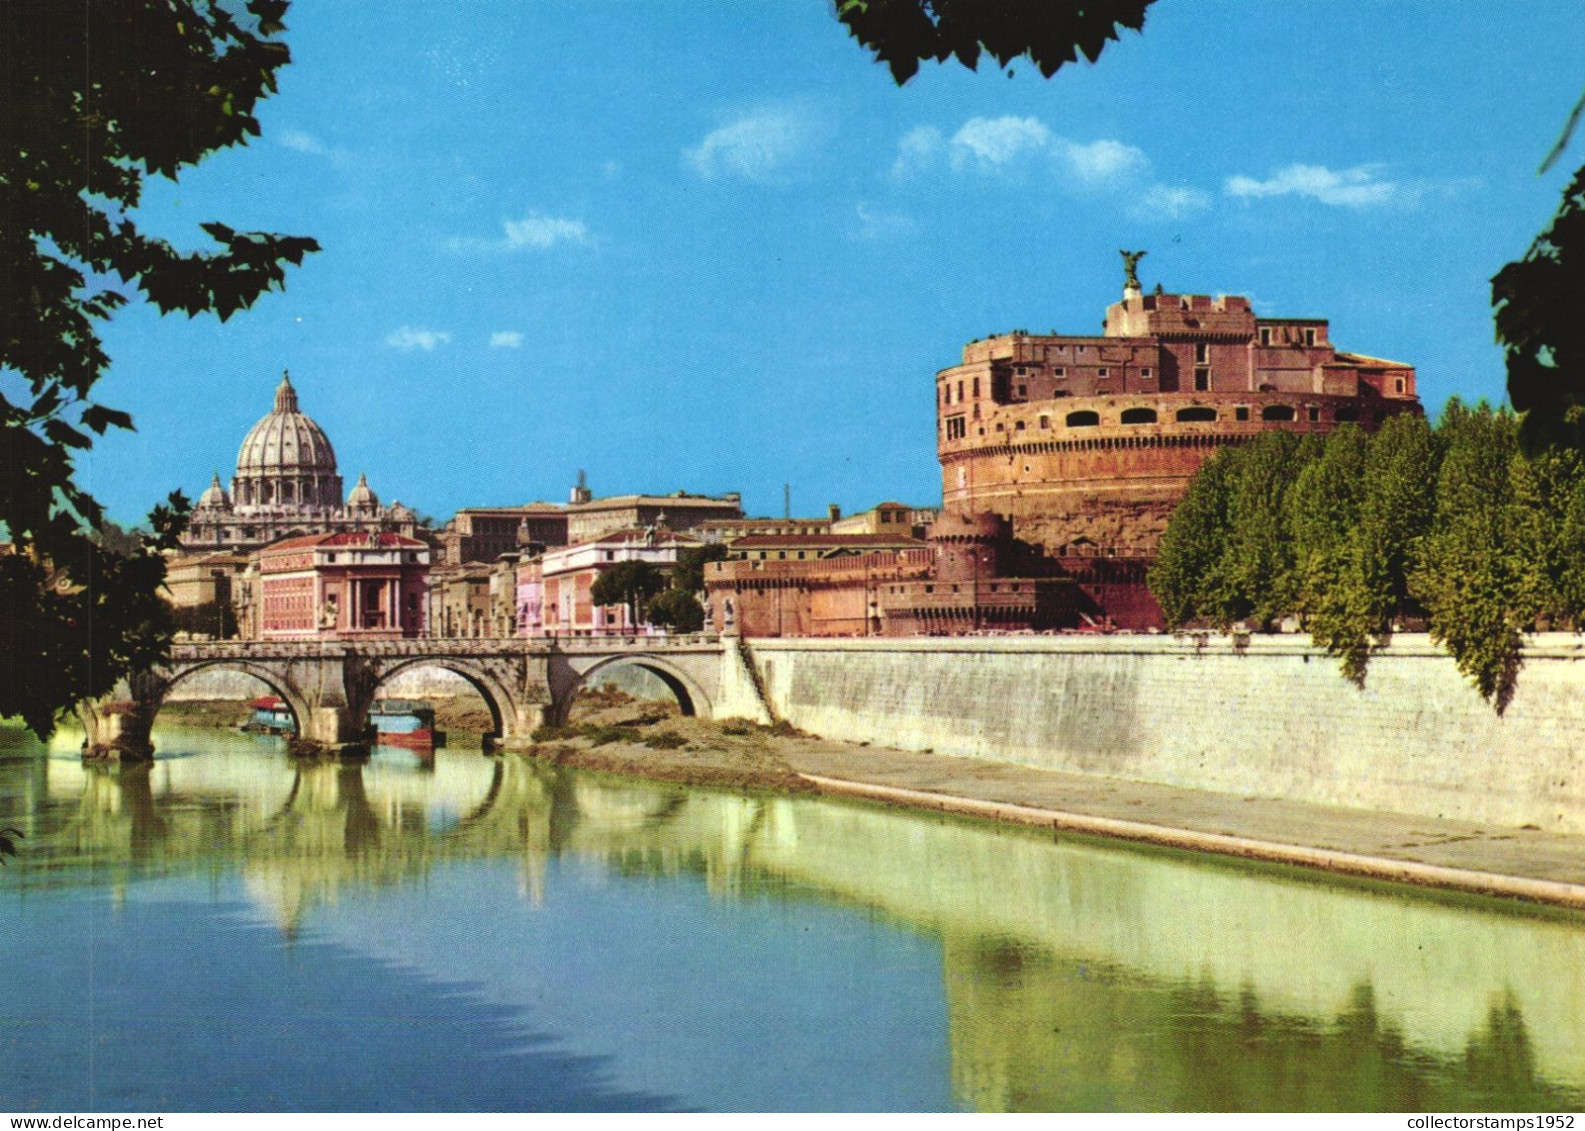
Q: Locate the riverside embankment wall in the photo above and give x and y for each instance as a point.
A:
(1265, 716)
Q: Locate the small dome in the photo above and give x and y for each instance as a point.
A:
(363, 497)
(285, 442)
(215, 496)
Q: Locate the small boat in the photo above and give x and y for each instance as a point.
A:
(405, 722)
(270, 716)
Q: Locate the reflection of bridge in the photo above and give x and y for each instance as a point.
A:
(330, 685)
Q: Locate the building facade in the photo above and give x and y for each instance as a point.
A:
(286, 485)
(568, 576)
(1091, 441)
(482, 534)
(345, 586)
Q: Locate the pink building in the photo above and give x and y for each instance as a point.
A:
(569, 574)
(531, 597)
(353, 585)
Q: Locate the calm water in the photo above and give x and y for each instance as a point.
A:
(229, 930)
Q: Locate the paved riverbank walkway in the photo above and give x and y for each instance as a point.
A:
(1516, 863)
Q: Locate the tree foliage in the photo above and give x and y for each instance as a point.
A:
(675, 609)
(630, 584)
(1536, 301)
(97, 98)
(689, 574)
(1050, 33)
(1456, 526)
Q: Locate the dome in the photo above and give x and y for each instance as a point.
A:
(215, 496)
(285, 442)
(363, 497)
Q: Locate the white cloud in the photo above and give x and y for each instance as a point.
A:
(918, 151)
(541, 232)
(876, 224)
(759, 147)
(416, 337)
(997, 142)
(535, 232)
(506, 339)
(301, 142)
(1102, 161)
(1350, 188)
(1170, 202)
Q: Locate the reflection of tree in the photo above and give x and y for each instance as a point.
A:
(1032, 1031)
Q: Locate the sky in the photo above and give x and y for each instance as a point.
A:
(711, 246)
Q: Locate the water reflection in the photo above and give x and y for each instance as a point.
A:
(1075, 975)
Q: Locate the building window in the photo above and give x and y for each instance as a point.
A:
(960, 392)
(1346, 415)
(1397, 385)
(1201, 414)
(1023, 390)
(1277, 412)
(999, 427)
(1059, 373)
(1019, 427)
(1103, 374)
(1265, 335)
(1202, 379)
(1083, 419)
(976, 386)
(1139, 416)
(1241, 412)
(1309, 337)
(610, 555)
(1314, 414)
(1144, 374)
(1045, 422)
(1202, 353)
(956, 429)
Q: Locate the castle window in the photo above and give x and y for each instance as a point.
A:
(1202, 379)
(1309, 337)
(1082, 419)
(1144, 374)
(1019, 427)
(1045, 422)
(976, 386)
(1397, 385)
(1346, 415)
(1200, 414)
(1202, 353)
(1277, 412)
(1241, 412)
(999, 427)
(1023, 390)
(1314, 413)
(1265, 335)
(1139, 416)
(1103, 374)
(1059, 373)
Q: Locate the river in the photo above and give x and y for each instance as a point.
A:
(229, 930)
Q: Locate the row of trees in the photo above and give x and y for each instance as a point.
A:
(653, 596)
(1355, 534)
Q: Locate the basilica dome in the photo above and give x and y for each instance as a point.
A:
(286, 461)
(286, 442)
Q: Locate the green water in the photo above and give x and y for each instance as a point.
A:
(229, 930)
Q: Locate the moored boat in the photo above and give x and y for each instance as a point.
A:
(271, 715)
(405, 722)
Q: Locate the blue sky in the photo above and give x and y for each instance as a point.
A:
(710, 246)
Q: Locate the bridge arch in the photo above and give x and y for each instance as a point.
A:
(502, 705)
(296, 701)
(692, 698)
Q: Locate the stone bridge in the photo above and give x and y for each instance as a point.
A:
(330, 685)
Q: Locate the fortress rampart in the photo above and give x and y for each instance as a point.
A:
(1091, 441)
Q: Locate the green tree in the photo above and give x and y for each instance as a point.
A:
(1050, 33)
(630, 584)
(1323, 513)
(689, 574)
(677, 610)
(1186, 576)
(98, 97)
(1480, 571)
(1258, 573)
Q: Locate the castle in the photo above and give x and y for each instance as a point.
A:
(1087, 443)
